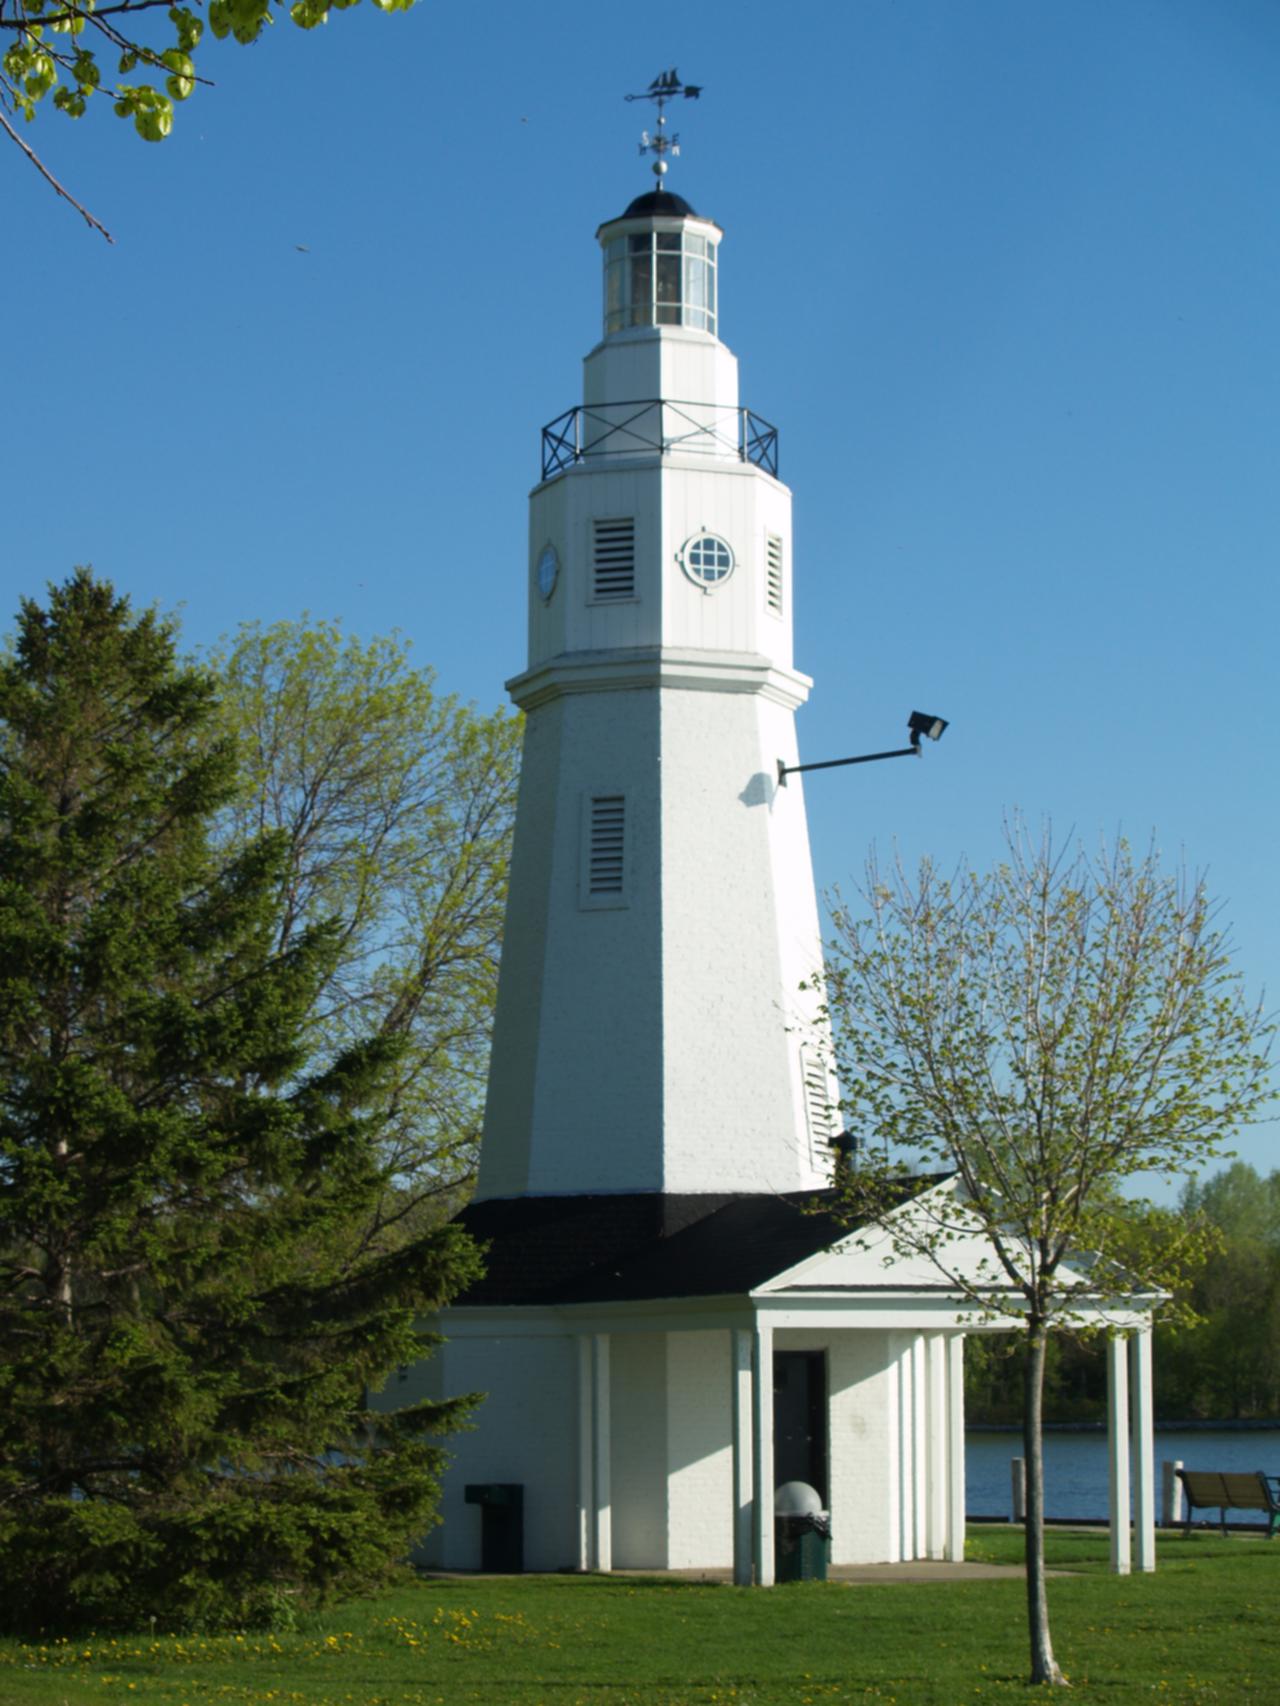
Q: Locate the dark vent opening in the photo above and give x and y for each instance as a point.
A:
(614, 560)
(817, 1094)
(608, 830)
(773, 574)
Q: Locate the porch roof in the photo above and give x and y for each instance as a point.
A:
(614, 1249)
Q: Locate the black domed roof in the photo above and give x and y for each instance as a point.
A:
(660, 201)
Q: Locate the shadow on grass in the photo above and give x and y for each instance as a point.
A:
(613, 1583)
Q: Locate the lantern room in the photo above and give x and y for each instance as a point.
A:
(659, 266)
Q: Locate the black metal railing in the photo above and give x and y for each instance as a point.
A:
(656, 423)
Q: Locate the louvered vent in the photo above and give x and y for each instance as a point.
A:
(817, 1101)
(613, 560)
(605, 852)
(773, 573)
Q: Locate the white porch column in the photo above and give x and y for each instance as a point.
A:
(586, 1451)
(1118, 1450)
(893, 1447)
(1144, 1453)
(919, 1456)
(602, 1492)
(762, 1454)
(955, 1449)
(936, 1454)
(740, 1375)
(906, 1454)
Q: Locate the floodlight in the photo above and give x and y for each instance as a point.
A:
(921, 723)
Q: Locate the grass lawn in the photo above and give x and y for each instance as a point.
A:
(1203, 1628)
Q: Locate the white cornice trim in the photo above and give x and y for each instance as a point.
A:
(658, 666)
(622, 226)
(668, 461)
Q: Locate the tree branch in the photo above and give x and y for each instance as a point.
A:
(45, 173)
(23, 21)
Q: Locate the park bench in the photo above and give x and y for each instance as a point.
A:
(1204, 1489)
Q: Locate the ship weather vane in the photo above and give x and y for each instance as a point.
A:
(665, 87)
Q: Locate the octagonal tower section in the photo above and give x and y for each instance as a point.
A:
(658, 1023)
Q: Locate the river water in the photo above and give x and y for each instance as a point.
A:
(1075, 1465)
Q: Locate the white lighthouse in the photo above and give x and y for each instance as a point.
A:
(657, 1026)
(675, 1317)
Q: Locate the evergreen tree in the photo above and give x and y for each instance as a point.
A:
(191, 1311)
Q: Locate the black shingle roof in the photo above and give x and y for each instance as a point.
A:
(613, 1249)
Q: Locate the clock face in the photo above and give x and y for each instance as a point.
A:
(547, 573)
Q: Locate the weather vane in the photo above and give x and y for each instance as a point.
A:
(665, 87)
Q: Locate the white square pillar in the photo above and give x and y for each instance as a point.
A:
(893, 1448)
(601, 1467)
(936, 1453)
(740, 1352)
(1118, 1450)
(1144, 1449)
(919, 1455)
(762, 1453)
(586, 1452)
(955, 1449)
(906, 1453)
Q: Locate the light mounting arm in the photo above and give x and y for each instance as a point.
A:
(919, 723)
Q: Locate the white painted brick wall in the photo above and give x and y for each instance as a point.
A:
(699, 1451)
(526, 1431)
(638, 1404)
(671, 1445)
(861, 1447)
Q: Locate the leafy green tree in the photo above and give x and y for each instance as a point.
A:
(1227, 1365)
(396, 806)
(1075, 1369)
(1049, 1032)
(1075, 1378)
(190, 1313)
(60, 51)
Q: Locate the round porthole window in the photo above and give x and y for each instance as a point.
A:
(547, 573)
(707, 560)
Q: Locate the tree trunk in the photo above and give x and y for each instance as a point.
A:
(58, 1266)
(1043, 1665)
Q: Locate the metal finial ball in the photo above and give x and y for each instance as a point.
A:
(660, 168)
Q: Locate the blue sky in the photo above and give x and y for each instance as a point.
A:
(1003, 273)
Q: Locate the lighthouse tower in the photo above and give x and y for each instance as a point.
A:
(677, 1317)
(658, 1021)
(659, 1332)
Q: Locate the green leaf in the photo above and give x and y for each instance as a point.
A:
(41, 75)
(188, 26)
(183, 81)
(152, 113)
(69, 101)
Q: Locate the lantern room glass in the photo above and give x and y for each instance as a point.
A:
(660, 278)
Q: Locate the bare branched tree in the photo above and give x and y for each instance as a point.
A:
(1050, 1032)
